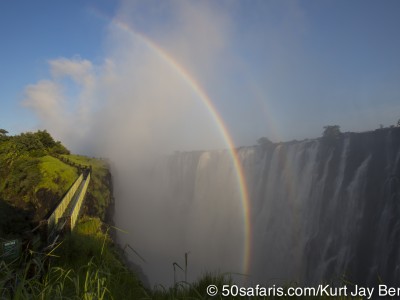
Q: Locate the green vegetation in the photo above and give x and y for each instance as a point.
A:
(99, 195)
(90, 246)
(3, 134)
(87, 265)
(56, 175)
(83, 266)
(31, 180)
(36, 172)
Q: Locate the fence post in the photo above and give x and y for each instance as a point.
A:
(44, 231)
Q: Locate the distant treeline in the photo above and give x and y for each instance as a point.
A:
(329, 134)
(34, 144)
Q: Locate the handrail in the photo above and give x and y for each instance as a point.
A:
(76, 209)
(58, 212)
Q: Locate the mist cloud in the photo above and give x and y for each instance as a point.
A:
(135, 96)
(46, 99)
(135, 107)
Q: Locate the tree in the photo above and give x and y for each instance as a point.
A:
(45, 138)
(264, 141)
(3, 135)
(398, 123)
(3, 132)
(29, 142)
(331, 132)
(59, 149)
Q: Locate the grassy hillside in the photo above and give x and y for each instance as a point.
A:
(35, 172)
(56, 175)
(31, 180)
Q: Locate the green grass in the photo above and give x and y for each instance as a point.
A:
(56, 175)
(96, 281)
(98, 166)
(84, 266)
(37, 280)
(34, 183)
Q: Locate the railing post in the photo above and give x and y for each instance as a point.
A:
(67, 226)
(44, 231)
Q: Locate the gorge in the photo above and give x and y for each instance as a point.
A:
(320, 210)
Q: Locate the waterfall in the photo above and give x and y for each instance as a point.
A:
(320, 211)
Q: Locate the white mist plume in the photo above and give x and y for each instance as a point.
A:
(134, 108)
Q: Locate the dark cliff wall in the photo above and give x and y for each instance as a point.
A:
(320, 209)
(333, 208)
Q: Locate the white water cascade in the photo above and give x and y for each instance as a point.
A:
(320, 211)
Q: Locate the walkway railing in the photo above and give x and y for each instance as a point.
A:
(75, 210)
(53, 219)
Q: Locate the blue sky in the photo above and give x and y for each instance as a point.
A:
(33, 33)
(281, 69)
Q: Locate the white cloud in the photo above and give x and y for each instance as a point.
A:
(79, 70)
(46, 99)
(67, 119)
(137, 105)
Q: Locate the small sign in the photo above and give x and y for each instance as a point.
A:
(10, 249)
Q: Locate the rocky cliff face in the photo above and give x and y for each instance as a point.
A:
(323, 210)
(319, 209)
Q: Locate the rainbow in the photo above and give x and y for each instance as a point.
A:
(202, 95)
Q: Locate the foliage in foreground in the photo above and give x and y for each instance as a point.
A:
(86, 266)
(92, 281)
